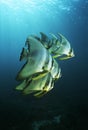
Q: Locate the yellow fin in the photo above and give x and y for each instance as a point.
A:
(40, 94)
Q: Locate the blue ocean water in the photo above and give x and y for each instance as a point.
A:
(69, 98)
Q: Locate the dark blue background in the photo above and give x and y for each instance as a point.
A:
(69, 98)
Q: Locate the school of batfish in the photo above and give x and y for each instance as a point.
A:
(41, 69)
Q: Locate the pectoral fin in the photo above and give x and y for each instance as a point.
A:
(40, 94)
(21, 86)
(64, 58)
(24, 54)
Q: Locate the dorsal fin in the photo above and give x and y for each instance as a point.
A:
(44, 37)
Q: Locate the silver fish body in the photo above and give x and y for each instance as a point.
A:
(41, 69)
